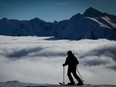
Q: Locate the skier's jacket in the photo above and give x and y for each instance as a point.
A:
(71, 61)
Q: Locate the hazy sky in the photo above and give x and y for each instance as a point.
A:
(50, 10)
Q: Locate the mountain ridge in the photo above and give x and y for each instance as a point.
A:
(92, 24)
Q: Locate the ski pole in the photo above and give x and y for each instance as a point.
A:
(80, 75)
(63, 74)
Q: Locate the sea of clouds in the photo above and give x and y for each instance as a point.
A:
(39, 59)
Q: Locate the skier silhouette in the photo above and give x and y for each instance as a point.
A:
(72, 62)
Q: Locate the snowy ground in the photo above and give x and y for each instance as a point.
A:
(21, 84)
(39, 60)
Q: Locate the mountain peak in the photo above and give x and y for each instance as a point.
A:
(4, 19)
(37, 19)
(92, 12)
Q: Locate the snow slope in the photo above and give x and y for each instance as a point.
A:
(21, 84)
(92, 24)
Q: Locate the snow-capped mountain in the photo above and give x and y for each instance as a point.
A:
(92, 24)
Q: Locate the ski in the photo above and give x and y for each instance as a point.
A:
(70, 85)
(63, 84)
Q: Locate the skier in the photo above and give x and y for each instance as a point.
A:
(72, 62)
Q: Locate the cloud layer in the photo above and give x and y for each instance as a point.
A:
(38, 60)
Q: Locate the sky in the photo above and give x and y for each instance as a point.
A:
(38, 60)
(50, 10)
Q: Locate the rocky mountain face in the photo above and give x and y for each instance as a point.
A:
(92, 24)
